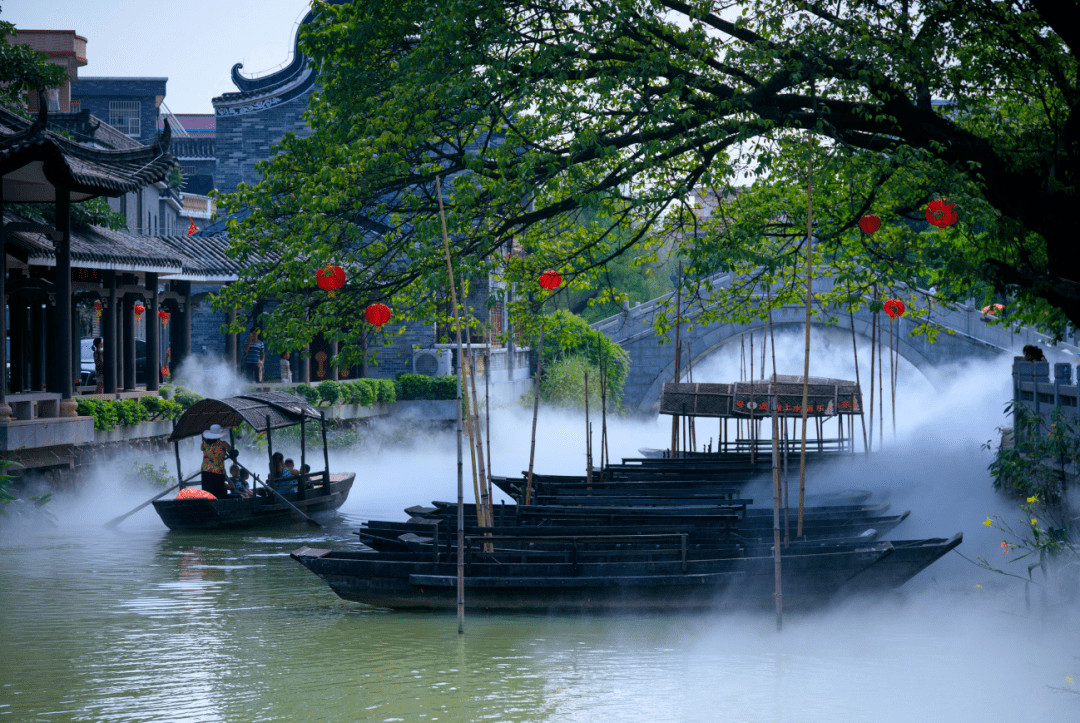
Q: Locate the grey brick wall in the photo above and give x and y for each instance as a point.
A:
(244, 140)
(95, 94)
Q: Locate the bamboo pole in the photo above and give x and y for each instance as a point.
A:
(460, 461)
(536, 409)
(873, 342)
(881, 385)
(605, 458)
(892, 376)
(678, 348)
(855, 349)
(588, 437)
(483, 499)
(777, 579)
(806, 356)
(487, 417)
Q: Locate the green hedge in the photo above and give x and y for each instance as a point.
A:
(418, 386)
(364, 392)
(112, 413)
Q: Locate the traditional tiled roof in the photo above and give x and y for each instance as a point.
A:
(82, 169)
(92, 248)
(203, 257)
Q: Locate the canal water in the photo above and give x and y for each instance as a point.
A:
(137, 623)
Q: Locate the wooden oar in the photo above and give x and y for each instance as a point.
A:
(277, 494)
(121, 518)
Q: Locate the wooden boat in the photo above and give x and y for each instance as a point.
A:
(318, 491)
(810, 577)
(207, 514)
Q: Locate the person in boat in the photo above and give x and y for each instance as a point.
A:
(238, 482)
(215, 450)
(281, 477)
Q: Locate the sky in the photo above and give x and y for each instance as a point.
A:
(194, 43)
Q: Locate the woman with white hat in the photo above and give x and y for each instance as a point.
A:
(215, 450)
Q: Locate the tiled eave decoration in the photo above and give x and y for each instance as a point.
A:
(35, 162)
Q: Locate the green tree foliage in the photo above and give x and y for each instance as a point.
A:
(568, 336)
(22, 69)
(571, 131)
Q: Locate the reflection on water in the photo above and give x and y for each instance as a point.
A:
(139, 624)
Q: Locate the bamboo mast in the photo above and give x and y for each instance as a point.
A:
(806, 356)
(460, 461)
(484, 500)
(588, 437)
(893, 364)
(487, 416)
(678, 325)
(855, 349)
(777, 580)
(881, 385)
(536, 409)
(873, 342)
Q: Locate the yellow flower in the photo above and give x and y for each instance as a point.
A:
(979, 586)
(1033, 499)
(988, 522)
(1034, 522)
(1069, 680)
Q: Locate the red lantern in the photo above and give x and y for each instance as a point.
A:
(164, 316)
(869, 223)
(550, 280)
(330, 278)
(894, 308)
(139, 310)
(940, 213)
(377, 314)
(97, 309)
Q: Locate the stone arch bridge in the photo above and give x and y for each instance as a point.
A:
(966, 335)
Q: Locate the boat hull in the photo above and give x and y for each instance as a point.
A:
(408, 581)
(236, 512)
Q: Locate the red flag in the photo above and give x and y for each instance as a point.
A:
(191, 226)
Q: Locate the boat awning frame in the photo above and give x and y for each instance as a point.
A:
(282, 409)
(743, 400)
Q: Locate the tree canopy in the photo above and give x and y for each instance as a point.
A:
(23, 69)
(540, 115)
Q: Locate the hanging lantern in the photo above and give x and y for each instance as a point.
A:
(330, 278)
(550, 280)
(139, 310)
(377, 314)
(869, 223)
(894, 308)
(940, 213)
(97, 309)
(164, 316)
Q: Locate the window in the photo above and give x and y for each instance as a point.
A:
(124, 116)
(75, 106)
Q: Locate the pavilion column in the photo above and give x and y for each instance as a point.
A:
(117, 310)
(333, 370)
(5, 408)
(230, 342)
(153, 361)
(51, 373)
(76, 343)
(363, 354)
(127, 310)
(18, 342)
(42, 378)
(108, 332)
(63, 302)
(305, 365)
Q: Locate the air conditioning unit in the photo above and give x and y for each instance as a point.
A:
(431, 362)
